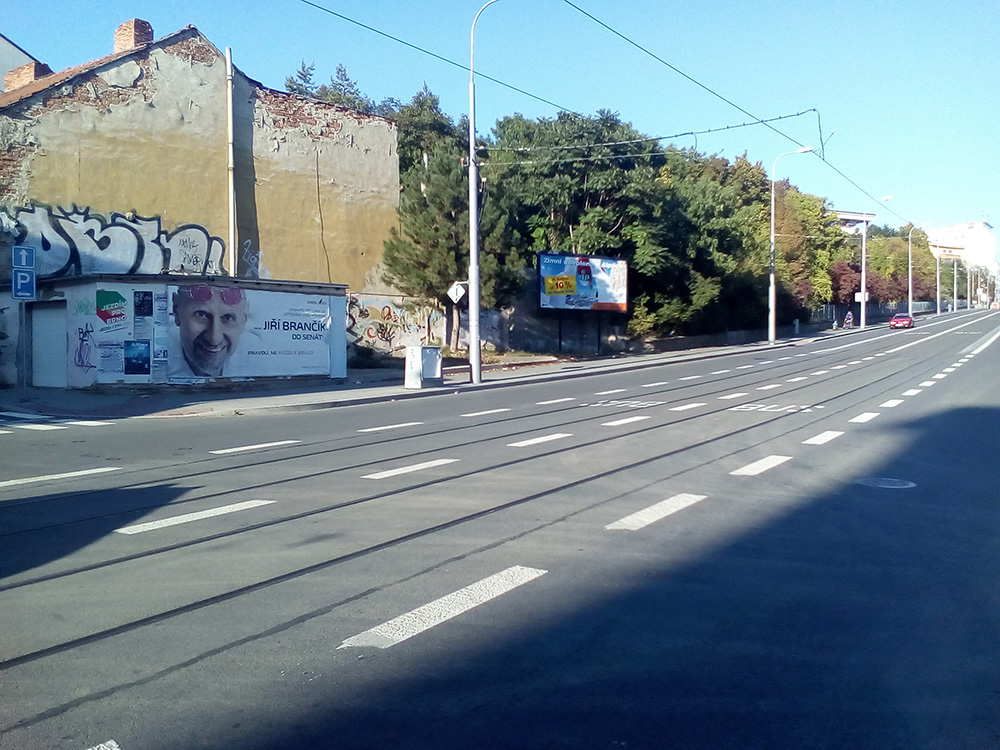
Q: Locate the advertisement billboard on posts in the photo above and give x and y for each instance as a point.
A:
(581, 282)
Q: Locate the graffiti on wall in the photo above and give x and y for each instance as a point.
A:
(77, 242)
(386, 323)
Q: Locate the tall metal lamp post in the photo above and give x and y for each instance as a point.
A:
(772, 291)
(475, 352)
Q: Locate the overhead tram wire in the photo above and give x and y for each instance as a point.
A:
(438, 57)
(731, 103)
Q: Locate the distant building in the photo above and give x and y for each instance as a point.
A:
(973, 242)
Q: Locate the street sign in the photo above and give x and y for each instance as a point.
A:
(22, 280)
(857, 296)
(457, 291)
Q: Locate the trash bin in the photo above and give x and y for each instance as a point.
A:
(423, 367)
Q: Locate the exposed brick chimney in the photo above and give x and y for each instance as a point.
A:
(24, 75)
(132, 34)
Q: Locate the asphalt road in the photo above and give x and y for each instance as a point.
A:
(785, 548)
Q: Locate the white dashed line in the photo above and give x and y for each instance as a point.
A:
(139, 528)
(655, 385)
(49, 477)
(259, 446)
(940, 376)
(555, 401)
(867, 359)
(441, 610)
(109, 745)
(391, 427)
(732, 395)
(409, 469)
(799, 379)
(87, 423)
(868, 416)
(39, 427)
(484, 413)
(719, 372)
(819, 372)
(957, 364)
(823, 438)
(855, 362)
(690, 377)
(759, 467)
(685, 407)
(655, 513)
(608, 393)
(6, 432)
(948, 369)
(766, 362)
(839, 367)
(770, 387)
(912, 392)
(891, 403)
(927, 383)
(537, 440)
(744, 367)
(624, 420)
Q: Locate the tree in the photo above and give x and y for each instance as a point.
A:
(422, 126)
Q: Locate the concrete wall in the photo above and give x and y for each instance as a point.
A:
(130, 152)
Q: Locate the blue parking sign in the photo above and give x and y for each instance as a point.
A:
(23, 283)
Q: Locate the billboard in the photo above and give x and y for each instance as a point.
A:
(581, 282)
(221, 331)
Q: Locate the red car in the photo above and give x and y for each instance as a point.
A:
(901, 320)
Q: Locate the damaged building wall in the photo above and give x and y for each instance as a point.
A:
(123, 166)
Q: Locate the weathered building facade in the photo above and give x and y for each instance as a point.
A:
(162, 160)
(135, 147)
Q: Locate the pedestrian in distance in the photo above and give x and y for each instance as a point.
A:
(849, 320)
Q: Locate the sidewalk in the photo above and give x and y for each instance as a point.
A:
(361, 386)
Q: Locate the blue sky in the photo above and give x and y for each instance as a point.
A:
(908, 94)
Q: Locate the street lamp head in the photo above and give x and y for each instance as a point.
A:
(804, 150)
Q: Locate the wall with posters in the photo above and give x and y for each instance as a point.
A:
(131, 332)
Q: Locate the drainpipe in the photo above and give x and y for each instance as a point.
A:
(231, 254)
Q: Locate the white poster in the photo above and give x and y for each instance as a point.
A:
(224, 331)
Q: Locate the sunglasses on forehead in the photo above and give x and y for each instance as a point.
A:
(202, 293)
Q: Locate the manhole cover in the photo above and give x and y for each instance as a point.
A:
(886, 483)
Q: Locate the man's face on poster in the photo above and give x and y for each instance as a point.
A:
(211, 320)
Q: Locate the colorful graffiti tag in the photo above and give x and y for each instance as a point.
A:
(76, 242)
(387, 324)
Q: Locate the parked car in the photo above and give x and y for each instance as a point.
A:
(901, 320)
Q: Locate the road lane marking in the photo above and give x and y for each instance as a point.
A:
(912, 392)
(823, 438)
(957, 364)
(39, 427)
(985, 344)
(163, 523)
(109, 745)
(759, 467)
(542, 439)
(770, 387)
(6, 432)
(948, 369)
(259, 446)
(390, 427)
(690, 377)
(732, 395)
(555, 401)
(685, 407)
(939, 376)
(839, 367)
(655, 513)
(484, 413)
(719, 372)
(867, 416)
(608, 393)
(411, 468)
(87, 423)
(766, 362)
(441, 610)
(67, 475)
(926, 383)
(626, 420)
(819, 372)
(654, 385)
(891, 403)
(744, 367)
(854, 362)
(799, 379)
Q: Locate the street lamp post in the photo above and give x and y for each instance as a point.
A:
(475, 352)
(772, 290)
